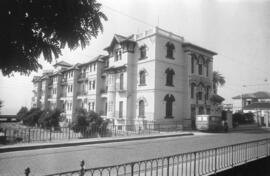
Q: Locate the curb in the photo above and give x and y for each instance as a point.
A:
(70, 144)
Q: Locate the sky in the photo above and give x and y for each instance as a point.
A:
(238, 30)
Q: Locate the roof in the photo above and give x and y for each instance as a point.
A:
(258, 105)
(120, 39)
(191, 45)
(98, 58)
(216, 98)
(62, 63)
(257, 95)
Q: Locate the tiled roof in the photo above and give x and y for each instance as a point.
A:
(258, 105)
(258, 95)
(63, 63)
(119, 38)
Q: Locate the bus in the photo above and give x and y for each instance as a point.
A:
(206, 122)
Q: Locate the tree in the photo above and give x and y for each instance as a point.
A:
(89, 123)
(31, 28)
(218, 80)
(49, 118)
(21, 113)
(31, 118)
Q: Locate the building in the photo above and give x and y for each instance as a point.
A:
(153, 76)
(258, 103)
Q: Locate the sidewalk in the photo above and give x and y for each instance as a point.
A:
(75, 142)
(247, 128)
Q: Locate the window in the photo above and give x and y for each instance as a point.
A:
(90, 67)
(169, 99)
(90, 85)
(200, 68)
(94, 67)
(169, 77)
(94, 85)
(199, 95)
(141, 108)
(143, 52)
(121, 81)
(207, 93)
(120, 109)
(192, 86)
(170, 49)
(192, 64)
(142, 78)
(201, 110)
(93, 106)
(118, 55)
(207, 69)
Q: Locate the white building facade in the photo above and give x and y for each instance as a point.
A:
(154, 76)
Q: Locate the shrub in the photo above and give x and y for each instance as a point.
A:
(243, 118)
(89, 124)
(31, 118)
(49, 118)
(21, 113)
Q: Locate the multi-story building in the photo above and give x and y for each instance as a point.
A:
(153, 76)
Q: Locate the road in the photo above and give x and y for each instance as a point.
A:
(49, 161)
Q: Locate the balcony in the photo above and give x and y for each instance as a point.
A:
(82, 77)
(63, 94)
(63, 81)
(200, 79)
(82, 93)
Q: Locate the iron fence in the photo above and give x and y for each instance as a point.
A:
(27, 135)
(198, 163)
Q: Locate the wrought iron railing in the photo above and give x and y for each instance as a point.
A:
(198, 163)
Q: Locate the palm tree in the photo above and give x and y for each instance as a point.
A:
(218, 80)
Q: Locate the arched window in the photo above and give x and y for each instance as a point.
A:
(169, 77)
(169, 99)
(142, 78)
(143, 52)
(170, 48)
(141, 108)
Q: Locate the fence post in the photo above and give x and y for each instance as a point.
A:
(27, 171)
(168, 166)
(29, 135)
(132, 169)
(195, 163)
(232, 156)
(246, 153)
(82, 171)
(215, 160)
(257, 149)
(68, 132)
(50, 133)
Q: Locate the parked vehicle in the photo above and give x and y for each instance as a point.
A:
(205, 122)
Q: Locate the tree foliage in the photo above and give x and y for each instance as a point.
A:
(243, 118)
(21, 113)
(31, 118)
(89, 123)
(31, 28)
(218, 80)
(49, 118)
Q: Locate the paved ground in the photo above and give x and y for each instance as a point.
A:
(48, 161)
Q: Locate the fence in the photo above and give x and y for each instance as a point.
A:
(67, 133)
(197, 163)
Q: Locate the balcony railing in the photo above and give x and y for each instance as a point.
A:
(83, 93)
(82, 77)
(64, 81)
(200, 78)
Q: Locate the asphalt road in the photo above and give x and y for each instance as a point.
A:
(49, 161)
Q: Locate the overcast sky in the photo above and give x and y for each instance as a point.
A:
(238, 30)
